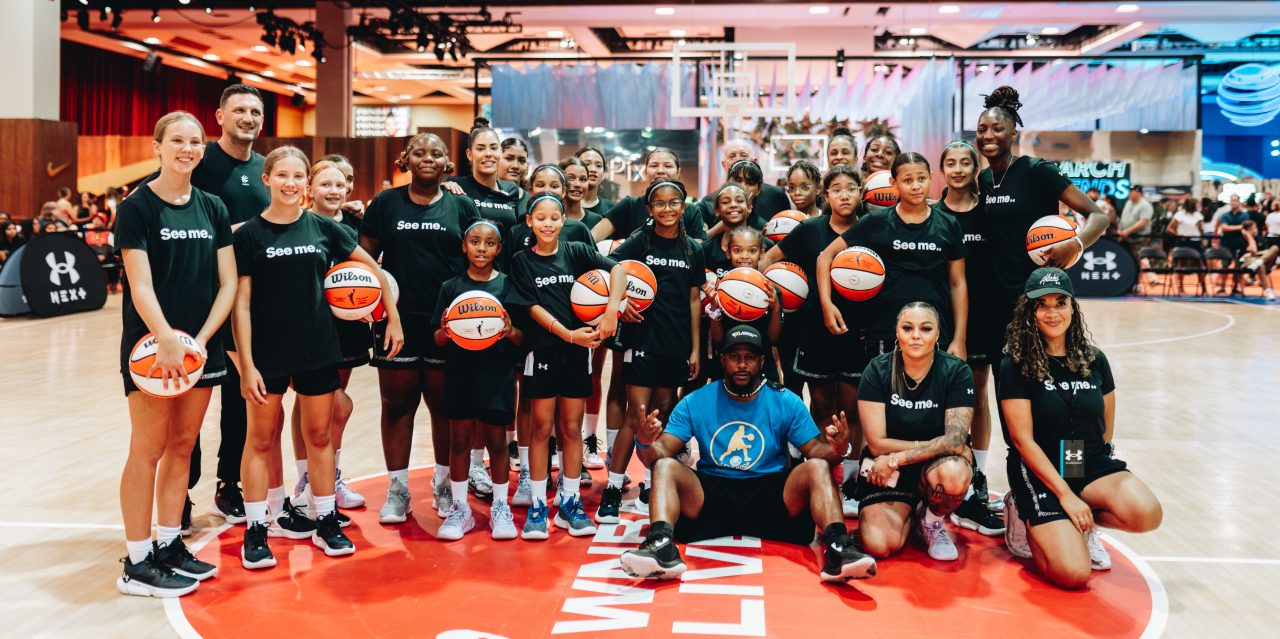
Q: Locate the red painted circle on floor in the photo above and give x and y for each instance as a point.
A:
(403, 582)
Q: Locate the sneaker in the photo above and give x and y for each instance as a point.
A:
(228, 503)
(936, 538)
(974, 515)
(571, 517)
(255, 553)
(397, 507)
(185, 531)
(329, 537)
(1099, 558)
(535, 525)
(840, 563)
(524, 490)
(513, 451)
(1015, 532)
(442, 498)
(1270, 295)
(478, 482)
(610, 503)
(501, 523)
(458, 523)
(591, 453)
(300, 489)
(177, 558)
(346, 497)
(291, 524)
(981, 489)
(151, 578)
(656, 558)
(641, 504)
(585, 477)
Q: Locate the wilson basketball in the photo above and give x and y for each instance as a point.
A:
(857, 273)
(475, 320)
(642, 285)
(1050, 231)
(590, 296)
(352, 290)
(792, 283)
(143, 357)
(781, 224)
(743, 294)
(879, 190)
(607, 246)
(379, 312)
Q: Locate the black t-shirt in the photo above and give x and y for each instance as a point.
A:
(546, 281)
(181, 243)
(421, 245)
(771, 201)
(293, 328)
(979, 274)
(916, 258)
(717, 261)
(677, 269)
(590, 218)
(521, 237)
(237, 182)
(350, 222)
(918, 414)
(501, 206)
(497, 358)
(1066, 406)
(631, 213)
(601, 207)
(802, 246)
(1028, 191)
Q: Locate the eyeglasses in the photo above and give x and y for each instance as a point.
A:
(791, 188)
(669, 205)
(839, 192)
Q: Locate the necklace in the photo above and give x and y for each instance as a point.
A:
(997, 183)
(907, 380)
(725, 383)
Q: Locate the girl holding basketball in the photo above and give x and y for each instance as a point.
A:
(285, 337)
(175, 241)
(557, 373)
(593, 202)
(479, 386)
(632, 212)
(746, 246)
(662, 344)
(416, 229)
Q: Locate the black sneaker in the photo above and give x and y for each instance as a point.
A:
(656, 558)
(610, 502)
(343, 520)
(513, 452)
(641, 504)
(228, 503)
(150, 578)
(585, 477)
(842, 562)
(330, 538)
(177, 558)
(186, 518)
(255, 553)
(974, 515)
(291, 524)
(980, 488)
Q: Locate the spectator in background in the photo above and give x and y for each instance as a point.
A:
(1253, 209)
(35, 225)
(1230, 230)
(1273, 225)
(103, 244)
(63, 209)
(10, 239)
(5, 218)
(1135, 221)
(85, 211)
(1187, 225)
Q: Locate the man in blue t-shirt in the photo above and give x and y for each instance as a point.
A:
(744, 484)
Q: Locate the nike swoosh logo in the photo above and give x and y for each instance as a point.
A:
(53, 171)
(663, 542)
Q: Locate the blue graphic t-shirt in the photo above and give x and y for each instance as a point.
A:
(742, 439)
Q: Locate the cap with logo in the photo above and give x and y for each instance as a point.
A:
(743, 335)
(1046, 280)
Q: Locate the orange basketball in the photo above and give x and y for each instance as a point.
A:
(743, 294)
(590, 296)
(352, 290)
(607, 246)
(143, 357)
(879, 190)
(475, 320)
(1050, 231)
(642, 285)
(781, 224)
(379, 312)
(857, 273)
(792, 283)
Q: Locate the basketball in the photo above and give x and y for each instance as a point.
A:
(743, 294)
(352, 290)
(143, 357)
(475, 320)
(379, 312)
(879, 190)
(1050, 231)
(642, 285)
(590, 296)
(793, 285)
(857, 273)
(781, 224)
(607, 246)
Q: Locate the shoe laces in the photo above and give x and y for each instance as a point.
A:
(256, 534)
(538, 511)
(937, 532)
(501, 513)
(293, 510)
(457, 514)
(328, 525)
(593, 444)
(153, 562)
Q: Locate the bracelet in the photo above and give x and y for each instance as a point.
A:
(1080, 242)
(638, 444)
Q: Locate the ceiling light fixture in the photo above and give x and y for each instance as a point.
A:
(259, 48)
(1050, 31)
(949, 8)
(555, 33)
(155, 15)
(678, 33)
(819, 9)
(1127, 8)
(665, 11)
(212, 57)
(151, 40)
(269, 73)
(302, 63)
(918, 31)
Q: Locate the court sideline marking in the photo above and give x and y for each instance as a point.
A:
(1231, 321)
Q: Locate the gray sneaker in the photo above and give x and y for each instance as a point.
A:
(479, 483)
(501, 523)
(397, 508)
(346, 497)
(524, 490)
(442, 498)
(458, 523)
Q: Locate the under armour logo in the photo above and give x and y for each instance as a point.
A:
(543, 367)
(639, 353)
(59, 269)
(1108, 260)
(244, 180)
(1042, 495)
(1074, 455)
(969, 390)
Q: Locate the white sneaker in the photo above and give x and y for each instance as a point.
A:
(300, 493)
(397, 508)
(501, 524)
(591, 453)
(1099, 558)
(458, 523)
(479, 483)
(524, 490)
(936, 537)
(850, 507)
(442, 498)
(1271, 295)
(346, 498)
(555, 461)
(1015, 531)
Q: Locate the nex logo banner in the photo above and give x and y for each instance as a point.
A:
(58, 269)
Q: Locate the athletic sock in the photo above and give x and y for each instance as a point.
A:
(275, 501)
(980, 460)
(836, 533)
(255, 512)
(138, 550)
(648, 477)
(166, 534)
(524, 456)
(590, 422)
(301, 465)
(401, 475)
(477, 457)
(570, 488)
(441, 476)
(610, 435)
(930, 518)
(459, 489)
(616, 479)
(337, 458)
(500, 492)
(324, 505)
(539, 489)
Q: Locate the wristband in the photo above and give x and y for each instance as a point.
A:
(1080, 242)
(638, 444)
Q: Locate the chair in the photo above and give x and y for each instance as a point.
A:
(1157, 263)
(1227, 264)
(1187, 261)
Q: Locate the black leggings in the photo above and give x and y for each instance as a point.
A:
(234, 423)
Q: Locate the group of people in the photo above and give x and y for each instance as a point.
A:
(231, 247)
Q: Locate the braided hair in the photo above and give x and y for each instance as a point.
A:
(1004, 100)
(809, 169)
(1026, 346)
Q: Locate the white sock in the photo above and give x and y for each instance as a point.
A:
(930, 518)
(337, 458)
(301, 465)
(441, 476)
(324, 505)
(648, 478)
(524, 456)
(256, 512)
(979, 460)
(275, 500)
(610, 435)
(401, 476)
(459, 489)
(500, 492)
(570, 488)
(477, 457)
(166, 534)
(590, 422)
(539, 490)
(616, 479)
(138, 550)
(847, 468)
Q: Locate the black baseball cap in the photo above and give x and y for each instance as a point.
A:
(743, 335)
(1046, 280)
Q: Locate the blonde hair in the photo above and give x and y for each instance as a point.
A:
(282, 153)
(174, 116)
(324, 165)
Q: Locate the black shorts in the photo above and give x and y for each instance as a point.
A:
(215, 369)
(483, 389)
(909, 488)
(654, 371)
(750, 506)
(420, 350)
(559, 370)
(354, 337)
(1036, 503)
(310, 383)
(988, 322)
(821, 357)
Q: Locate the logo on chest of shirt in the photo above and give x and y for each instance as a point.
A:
(973, 238)
(919, 404)
(1072, 386)
(901, 245)
(185, 234)
(662, 261)
(1000, 199)
(244, 180)
(485, 204)
(552, 279)
(402, 225)
(737, 445)
(291, 250)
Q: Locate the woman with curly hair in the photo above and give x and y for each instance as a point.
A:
(1057, 409)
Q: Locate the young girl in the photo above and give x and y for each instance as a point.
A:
(549, 179)
(417, 229)
(479, 387)
(842, 149)
(746, 174)
(514, 162)
(878, 154)
(746, 246)
(173, 281)
(663, 350)
(577, 185)
(285, 337)
(557, 373)
(803, 179)
(496, 199)
(595, 161)
(631, 213)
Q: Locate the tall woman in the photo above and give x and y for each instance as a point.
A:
(495, 198)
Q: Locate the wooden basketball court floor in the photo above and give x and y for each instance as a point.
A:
(1197, 420)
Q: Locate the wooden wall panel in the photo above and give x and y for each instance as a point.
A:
(102, 153)
(31, 148)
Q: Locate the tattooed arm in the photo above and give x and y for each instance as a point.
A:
(954, 441)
